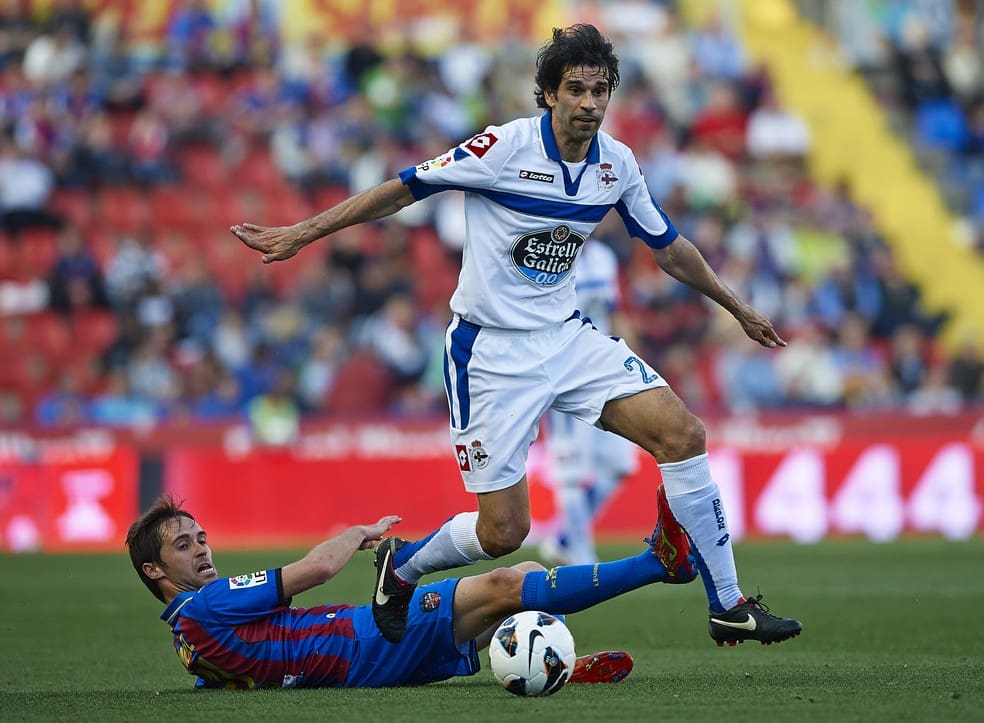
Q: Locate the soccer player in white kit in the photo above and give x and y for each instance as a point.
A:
(585, 463)
(516, 346)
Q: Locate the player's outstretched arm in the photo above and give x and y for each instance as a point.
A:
(684, 262)
(326, 559)
(278, 243)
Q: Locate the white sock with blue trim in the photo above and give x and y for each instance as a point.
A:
(696, 503)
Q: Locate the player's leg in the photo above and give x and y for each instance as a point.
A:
(498, 528)
(484, 600)
(660, 423)
(569, 452)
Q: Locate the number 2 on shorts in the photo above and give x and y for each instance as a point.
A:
(647, 378)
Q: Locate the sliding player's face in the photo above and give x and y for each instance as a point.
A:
(185, 554)
(578, 105)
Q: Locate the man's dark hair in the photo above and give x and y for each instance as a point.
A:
(573, 47)
(145, 538)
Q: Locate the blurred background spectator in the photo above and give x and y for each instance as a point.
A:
(130, 141)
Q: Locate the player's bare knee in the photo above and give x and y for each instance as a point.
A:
(507, 583)
(686, 440)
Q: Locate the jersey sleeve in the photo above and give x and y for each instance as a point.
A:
(238, 599)
(642, 216)
(473, 164)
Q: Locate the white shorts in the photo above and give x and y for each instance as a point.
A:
(501, 382)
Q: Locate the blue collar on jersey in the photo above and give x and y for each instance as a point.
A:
(553, 153)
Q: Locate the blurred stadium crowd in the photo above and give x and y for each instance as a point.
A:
(125, 301)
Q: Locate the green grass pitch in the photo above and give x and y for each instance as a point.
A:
(893, 632)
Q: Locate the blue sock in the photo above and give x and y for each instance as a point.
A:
(571, 588)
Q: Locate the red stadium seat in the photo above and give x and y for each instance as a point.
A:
(50, 334)
(362, 385)
(125, 210)
(94, 329)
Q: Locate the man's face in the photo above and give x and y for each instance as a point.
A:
(578, 105)
(186, 559)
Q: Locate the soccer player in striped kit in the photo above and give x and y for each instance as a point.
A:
(242, 632)
(516, 346)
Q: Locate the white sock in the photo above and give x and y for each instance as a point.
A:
(696, 503)
(577, 526)
(455, 544)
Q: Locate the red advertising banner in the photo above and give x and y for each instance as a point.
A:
(804, 478)
(73, 493)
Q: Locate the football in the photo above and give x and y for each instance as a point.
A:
(532, 653)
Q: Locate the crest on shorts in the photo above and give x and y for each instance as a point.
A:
(430, 601)
(478, 455)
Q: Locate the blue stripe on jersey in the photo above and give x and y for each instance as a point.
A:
(637, 231)
(462, 340)
(559, 210)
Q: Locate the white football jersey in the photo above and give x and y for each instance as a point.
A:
(528, 215)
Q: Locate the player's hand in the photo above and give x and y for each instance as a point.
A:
(276, 243)
(374, 533)
(758, 327)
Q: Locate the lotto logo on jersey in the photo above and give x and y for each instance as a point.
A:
(251, 579)
(546, 257)
(480, 144)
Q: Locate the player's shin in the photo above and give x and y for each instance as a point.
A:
(696, 503)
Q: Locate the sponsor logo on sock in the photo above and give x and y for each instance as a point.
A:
(723, 540)
(719, 514)
(381, 597)
(747, 624)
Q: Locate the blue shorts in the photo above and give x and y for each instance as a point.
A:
(427, 653)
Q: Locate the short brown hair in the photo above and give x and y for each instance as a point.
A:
(577, 46)
(145, 537)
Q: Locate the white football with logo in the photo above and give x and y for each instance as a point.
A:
(532, 653)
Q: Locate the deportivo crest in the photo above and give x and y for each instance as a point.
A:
(249, 580)
(546, 257)
(479, 457)
(606, 177)
(430, 601)
(440, 162)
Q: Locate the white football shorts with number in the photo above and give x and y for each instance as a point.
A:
(516, 345)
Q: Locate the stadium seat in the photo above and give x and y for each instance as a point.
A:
(362, 385)
(74, 205)
(125, 210)
(50, 334)
(202, 167)
(94, 329)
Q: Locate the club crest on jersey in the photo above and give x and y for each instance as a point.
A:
(606, 177)
(430, 601)
(251, 579)
(546, 257)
